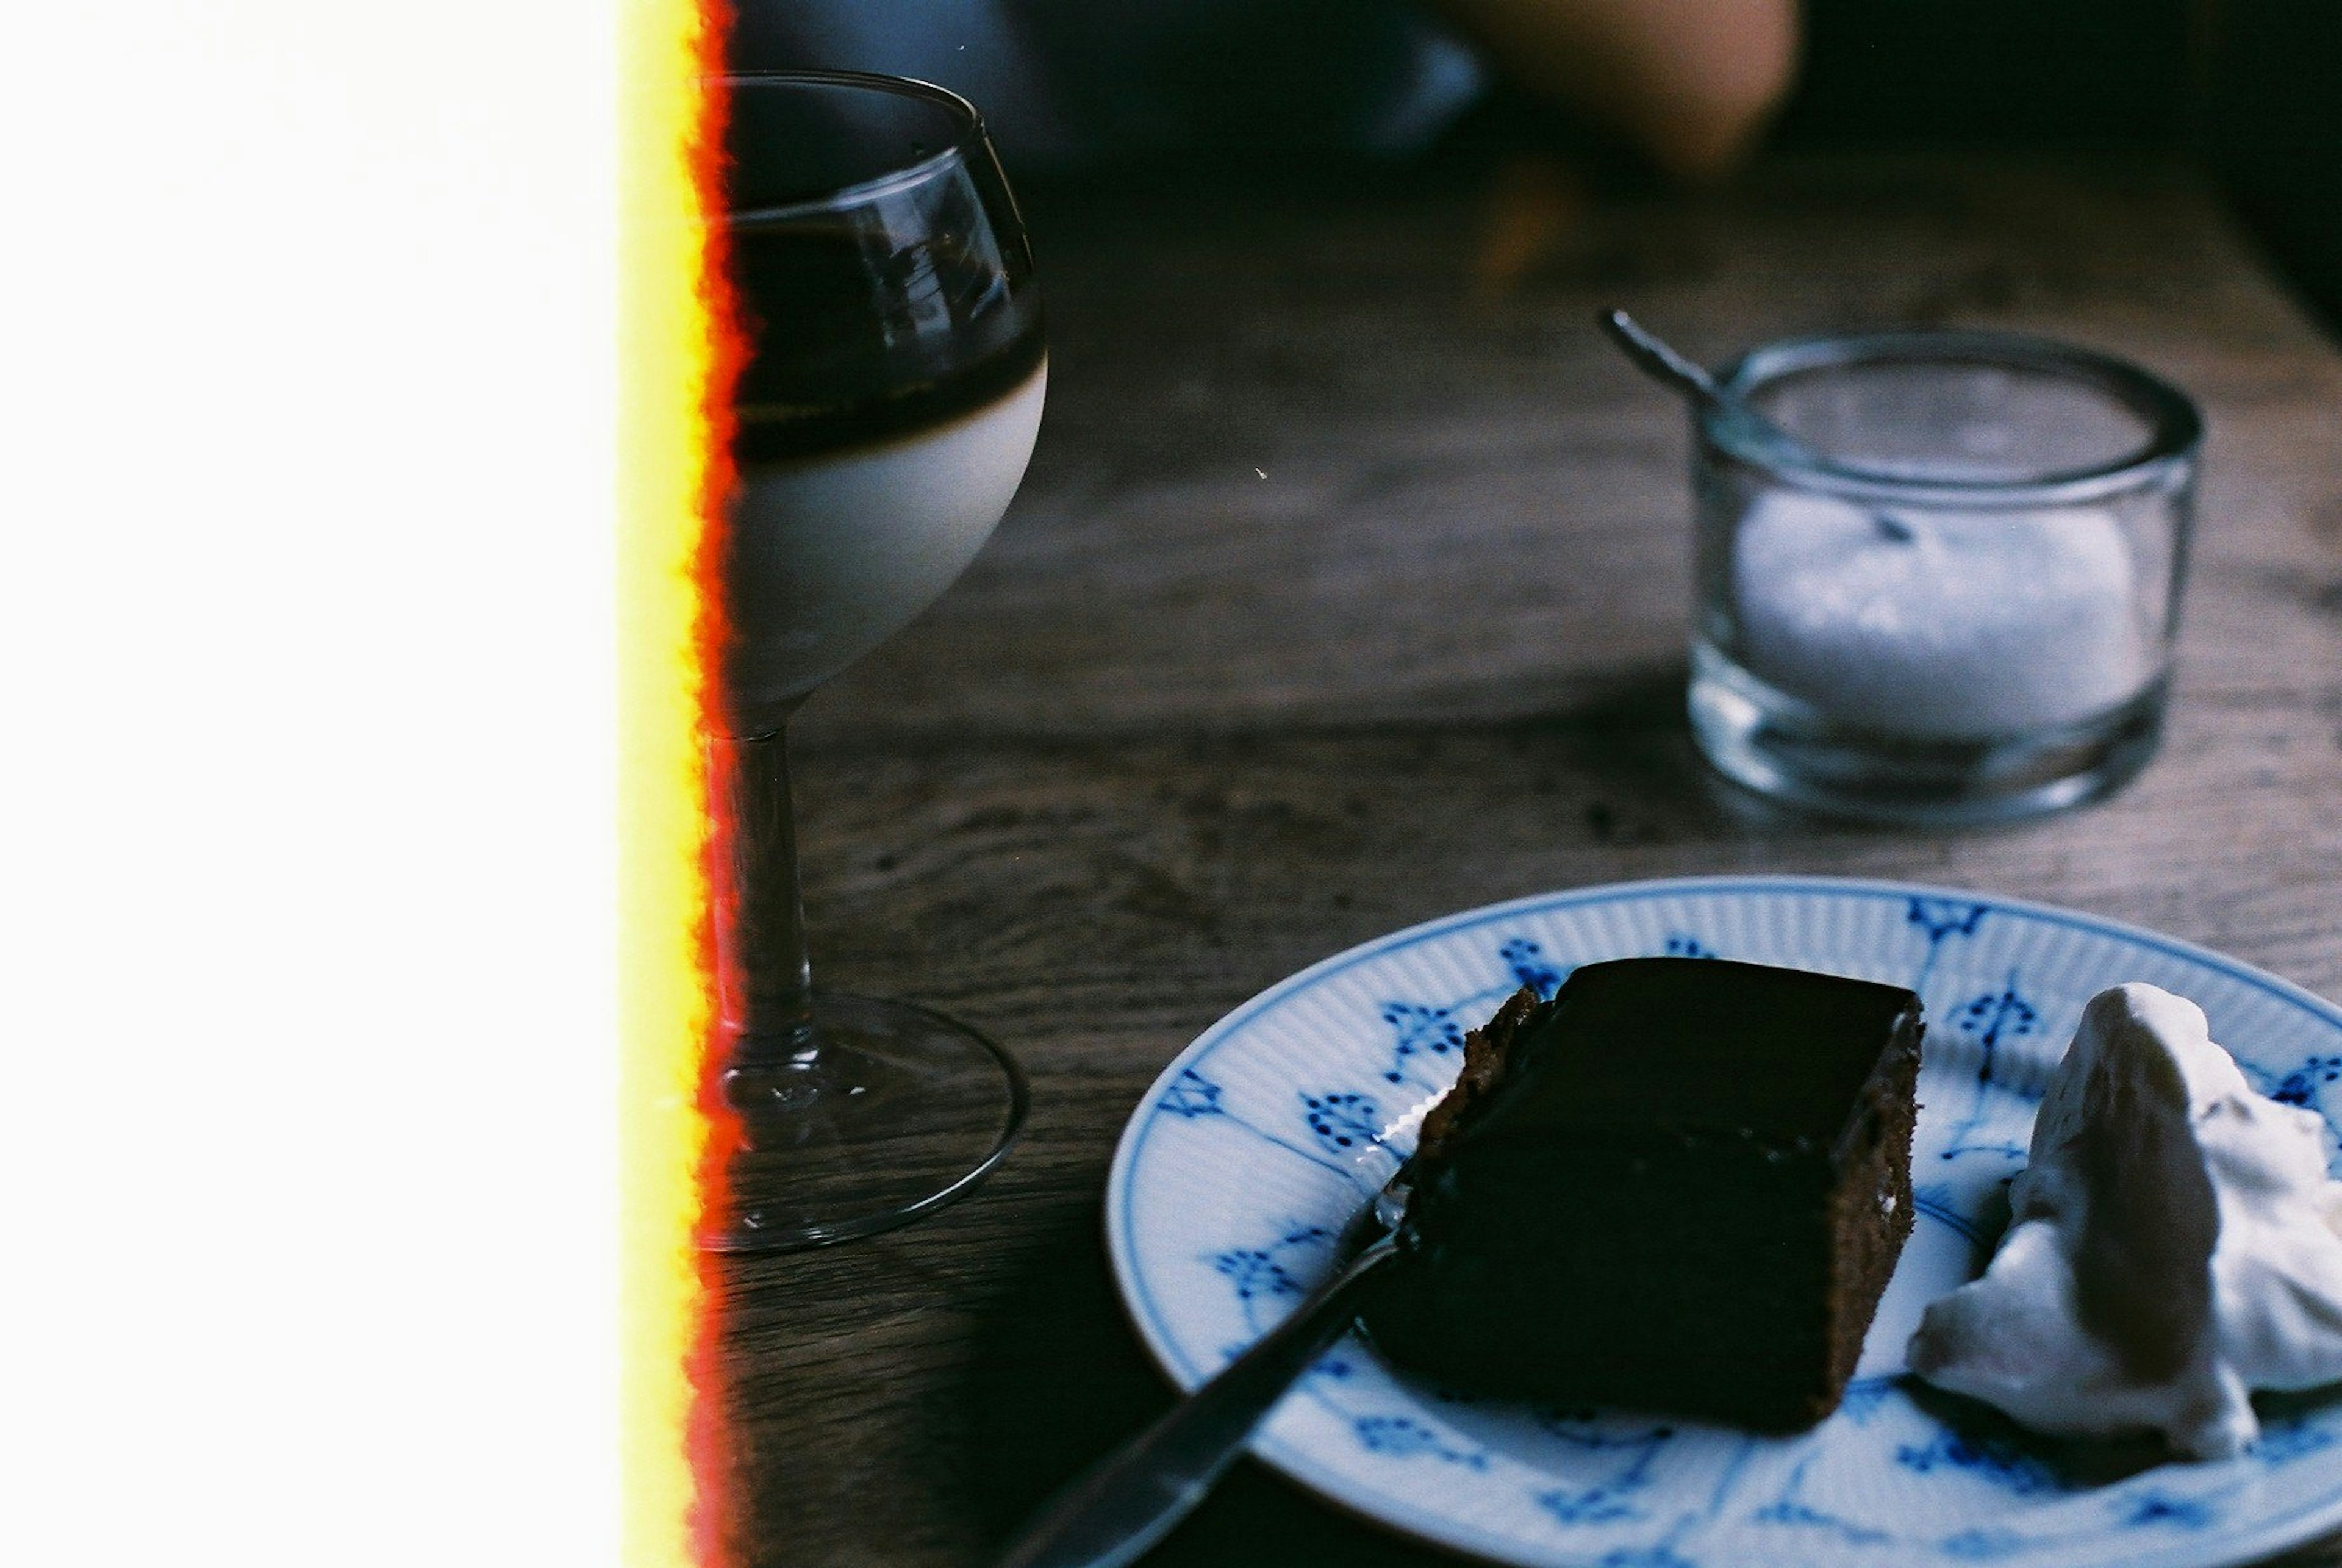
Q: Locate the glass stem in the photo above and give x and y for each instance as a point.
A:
(766, 982)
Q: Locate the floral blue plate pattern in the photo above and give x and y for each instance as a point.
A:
(1257, 1142)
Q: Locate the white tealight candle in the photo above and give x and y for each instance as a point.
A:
(1940, 626)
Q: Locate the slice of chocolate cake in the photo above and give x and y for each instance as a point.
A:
(1680, 1186)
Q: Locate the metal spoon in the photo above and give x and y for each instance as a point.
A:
(1655, 358)
(1131, 1499)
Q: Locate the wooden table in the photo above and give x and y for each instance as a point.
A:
(1349, 588)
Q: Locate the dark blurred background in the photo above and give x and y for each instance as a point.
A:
(2251, 88)
(2271, 118)
(1994, 72)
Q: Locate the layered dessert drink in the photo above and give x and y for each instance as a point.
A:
(876, 450)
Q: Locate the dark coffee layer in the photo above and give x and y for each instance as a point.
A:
(1680, 1185)
(804, 428)
(883, 318)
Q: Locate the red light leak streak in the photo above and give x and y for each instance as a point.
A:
(706, 1439)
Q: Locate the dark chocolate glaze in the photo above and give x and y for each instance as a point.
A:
(1678, 1186)
(1646, 1045)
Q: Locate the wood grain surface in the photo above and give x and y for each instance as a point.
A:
(1349, 588)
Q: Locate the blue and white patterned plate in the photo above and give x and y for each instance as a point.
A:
(1261, 1137)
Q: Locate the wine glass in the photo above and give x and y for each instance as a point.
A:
(888, 402)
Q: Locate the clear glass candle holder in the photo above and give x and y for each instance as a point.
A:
(1949, 595)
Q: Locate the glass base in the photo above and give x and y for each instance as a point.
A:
(885, 1113)
(1786, 749)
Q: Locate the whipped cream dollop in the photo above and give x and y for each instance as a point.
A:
(2174, 1242)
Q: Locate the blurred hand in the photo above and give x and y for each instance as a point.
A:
(1689, 82)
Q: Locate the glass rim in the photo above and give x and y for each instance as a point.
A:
(2165, 459)
(967, 135)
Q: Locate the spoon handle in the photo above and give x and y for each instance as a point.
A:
(1655, 358)
(1132, 1498)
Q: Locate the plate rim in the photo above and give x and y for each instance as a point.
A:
(1298, 1466)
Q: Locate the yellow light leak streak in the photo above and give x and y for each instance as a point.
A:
(665, 345)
